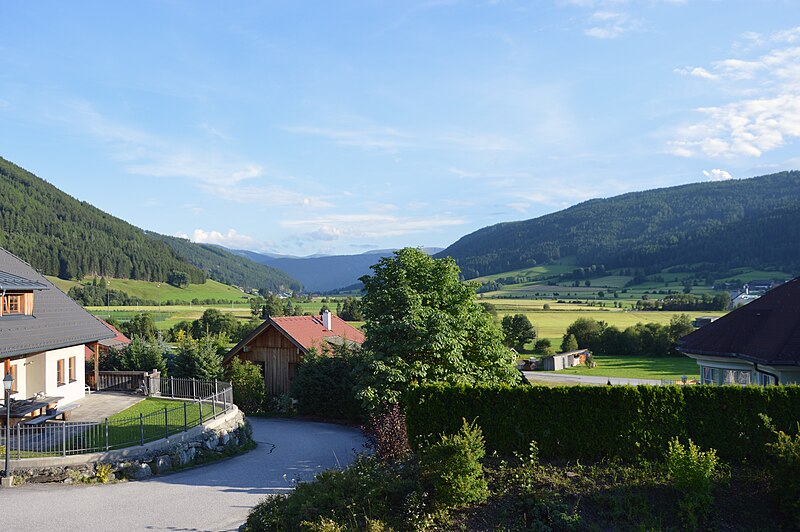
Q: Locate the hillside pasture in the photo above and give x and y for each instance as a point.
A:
(210, 290)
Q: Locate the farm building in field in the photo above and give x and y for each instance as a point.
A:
(569, 359)
(279, 344)
(758, 343)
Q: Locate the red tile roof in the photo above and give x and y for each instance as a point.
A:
(765, 331)
(118, 342)
(308, 331)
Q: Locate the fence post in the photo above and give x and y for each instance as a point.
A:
(63, 438)
(185, 424)
(194, 389)
(214, 401)
(200, 405)
(19, 443)
(106, 434)
(166, 424)
(141, 428)
(171, 388)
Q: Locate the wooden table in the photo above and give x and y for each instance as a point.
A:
(24, 407)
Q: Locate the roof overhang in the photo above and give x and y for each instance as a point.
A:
(740, 356)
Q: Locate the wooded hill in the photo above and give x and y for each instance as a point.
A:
(719, 225)
(64, 237)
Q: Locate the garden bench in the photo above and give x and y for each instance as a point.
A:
(38, 420)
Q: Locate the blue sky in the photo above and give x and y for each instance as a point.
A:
(337, 127)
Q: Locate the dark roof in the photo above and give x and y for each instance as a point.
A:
(57, 320)
(9, 281)
(765, 331)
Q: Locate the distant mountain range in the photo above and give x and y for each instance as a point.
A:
(64, 237)
(714, 225)
(321, 273)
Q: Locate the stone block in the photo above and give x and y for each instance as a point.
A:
(138, 471)
(162, 464)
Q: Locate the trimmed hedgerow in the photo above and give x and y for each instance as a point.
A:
(594, 422)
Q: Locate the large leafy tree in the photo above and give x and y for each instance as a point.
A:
(422, 325)
(518, 331)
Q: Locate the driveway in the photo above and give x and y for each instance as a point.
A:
(211, 497)
(566, 378)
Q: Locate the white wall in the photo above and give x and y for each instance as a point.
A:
(70, 391)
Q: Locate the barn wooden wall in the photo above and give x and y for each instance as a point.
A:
(275, 352)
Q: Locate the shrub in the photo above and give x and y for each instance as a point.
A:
(453, 467)
(364, 496)
(785, 458)
(324, 386)
(691, 471)
(104, 473)
(595, 422)
(387, 435)
(248, 385)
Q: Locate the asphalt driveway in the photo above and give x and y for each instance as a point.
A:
(212, 497)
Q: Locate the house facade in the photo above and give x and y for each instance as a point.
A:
(758, 343)
(43, 334)
(279, 344)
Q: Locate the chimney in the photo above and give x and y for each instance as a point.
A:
(326, 320)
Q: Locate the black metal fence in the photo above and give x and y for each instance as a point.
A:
(196, 402)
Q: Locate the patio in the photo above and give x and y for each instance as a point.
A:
(100, 405)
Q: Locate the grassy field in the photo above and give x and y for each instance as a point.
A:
(553, 323)
(165, 292)
(639, 368)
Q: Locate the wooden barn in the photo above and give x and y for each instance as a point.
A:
(279, 344)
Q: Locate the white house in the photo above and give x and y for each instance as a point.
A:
(43, 334)
(758, 343)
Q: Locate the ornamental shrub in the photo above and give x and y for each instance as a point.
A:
(785, 458)
(387, 435)
(452, 466)
(691, 471)
(325, 384)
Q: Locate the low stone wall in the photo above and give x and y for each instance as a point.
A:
(225, 436)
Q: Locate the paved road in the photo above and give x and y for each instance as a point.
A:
(583, 379)
(212, 497)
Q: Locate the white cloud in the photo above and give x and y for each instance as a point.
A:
(369, 225)
(366, 138)
(267, 195)
(717, 175)
(764, 114)
(230, 239)
(698, 72)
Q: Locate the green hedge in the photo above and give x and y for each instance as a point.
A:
(593, 422)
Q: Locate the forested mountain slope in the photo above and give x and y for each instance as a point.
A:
(62, 236)
(230, 268)
(744, 222)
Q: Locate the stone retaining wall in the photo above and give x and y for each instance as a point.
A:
(225, 436)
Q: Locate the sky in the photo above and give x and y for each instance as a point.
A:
(299, 128)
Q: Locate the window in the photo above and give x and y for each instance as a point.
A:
(60, 372)
(72, 369)
(733, 376)
(12, 304)
(710, 375)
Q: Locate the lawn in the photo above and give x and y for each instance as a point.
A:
(639, 367)
(125, 430)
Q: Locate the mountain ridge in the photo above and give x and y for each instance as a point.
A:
(709, 222)
(68, 238)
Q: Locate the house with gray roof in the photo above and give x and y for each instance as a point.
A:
(43, 334)
(758, 343)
